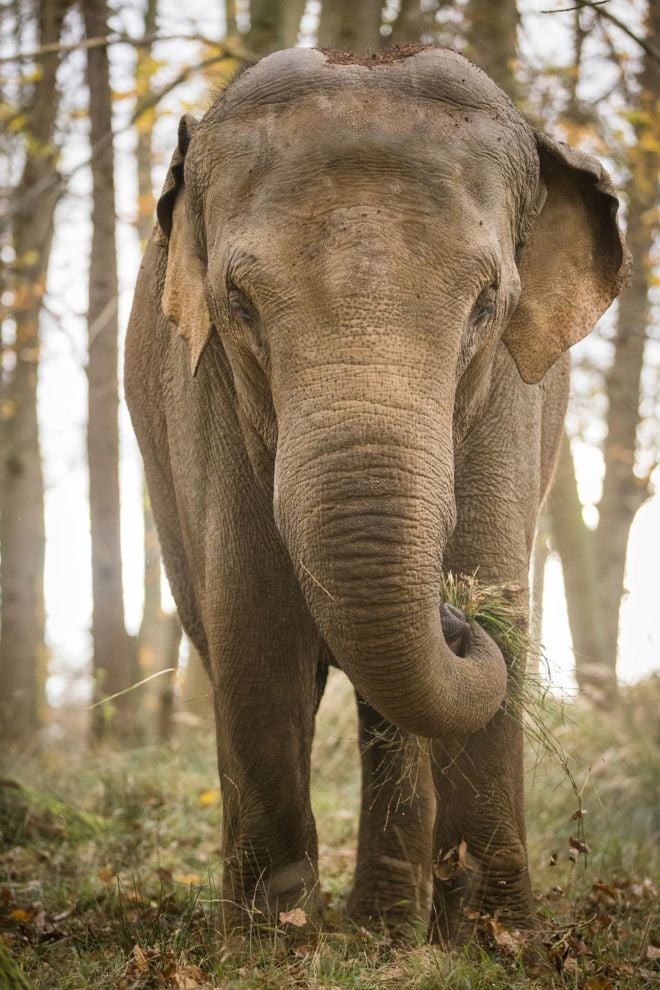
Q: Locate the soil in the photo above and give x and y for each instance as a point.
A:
(374, 61)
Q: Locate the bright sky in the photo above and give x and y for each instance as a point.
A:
(63, 394)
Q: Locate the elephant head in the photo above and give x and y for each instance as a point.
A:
(360, 238)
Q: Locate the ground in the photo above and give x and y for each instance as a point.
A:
(109, 868)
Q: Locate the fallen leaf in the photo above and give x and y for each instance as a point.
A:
(576, 843)
(604, 889)
(466, 861)
(508, 941)
(598, 982)
(18, 914)
(295, 917)
(141, 958)
(446, 869)
(106, 874)
(187, 878)
(190, 977)
(652, 952)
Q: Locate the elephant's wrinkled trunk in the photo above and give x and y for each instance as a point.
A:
(364, 501)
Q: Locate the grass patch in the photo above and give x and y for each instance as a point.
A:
(119, 890)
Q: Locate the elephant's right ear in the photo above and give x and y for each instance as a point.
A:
(183, 296)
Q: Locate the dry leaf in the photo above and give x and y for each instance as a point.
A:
(187, 878)
(598, 982)
(106, 874)
(18, 914)
(141, 960)
(445, 871)
(295, 917)
(509, 942)
(576, 843)
(466, 861)
(190, 977)
(604, 889)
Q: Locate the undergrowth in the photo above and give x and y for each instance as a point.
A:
(109, 867)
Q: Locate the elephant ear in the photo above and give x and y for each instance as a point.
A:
(574, 263)
(183, 301)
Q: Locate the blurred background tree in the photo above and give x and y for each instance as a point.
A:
(124, 73)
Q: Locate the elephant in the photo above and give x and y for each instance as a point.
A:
(346, 366)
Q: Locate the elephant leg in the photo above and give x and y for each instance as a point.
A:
(265, 654)
(480, 857)
(393, 874)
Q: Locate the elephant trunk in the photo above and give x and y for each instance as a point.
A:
(364, 500)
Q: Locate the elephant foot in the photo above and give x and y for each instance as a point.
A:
(266, 903)
(464, 903)
(392, 892)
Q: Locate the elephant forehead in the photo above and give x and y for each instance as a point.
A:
(325, 144)
(431, 74)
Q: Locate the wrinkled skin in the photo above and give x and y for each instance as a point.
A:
(343, 366)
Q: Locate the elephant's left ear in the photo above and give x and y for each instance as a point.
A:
(574, 263)
(183, 300)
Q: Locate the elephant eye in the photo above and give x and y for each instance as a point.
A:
(484, 307)
(241, 307)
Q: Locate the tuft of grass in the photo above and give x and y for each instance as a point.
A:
(134, 903)
(495, 607)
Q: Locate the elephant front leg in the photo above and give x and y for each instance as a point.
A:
(393, 874)
(265, 700)
(480, 857)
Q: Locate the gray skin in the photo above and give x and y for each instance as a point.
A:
(342, 370)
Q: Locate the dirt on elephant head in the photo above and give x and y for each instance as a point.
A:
(374, 61)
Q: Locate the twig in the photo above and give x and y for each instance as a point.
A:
(57, 179)
(102, 41)
(578, 6)
(118, 694)
(598, 7)
(316, 581)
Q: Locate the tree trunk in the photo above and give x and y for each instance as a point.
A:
(492, 40)
(114, 655)
(157, 649)
(231, 28)
(623, 492)
(197, 692)
(290, 22)
(351, 26)
(22, 536)
(414, 22)
(574, 542)
(274, 24)
(539, 560)
(598, 560)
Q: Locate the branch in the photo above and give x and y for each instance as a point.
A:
(104, 41)
(151, 101)
(598, 7)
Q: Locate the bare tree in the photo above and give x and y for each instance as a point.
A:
(413, 21)
(352, 26)
(492, 30)
(114, 652)
(22, 536)
(274, 24)
(594, 562)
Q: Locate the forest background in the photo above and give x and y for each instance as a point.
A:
(72, 490)
(90, 96)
